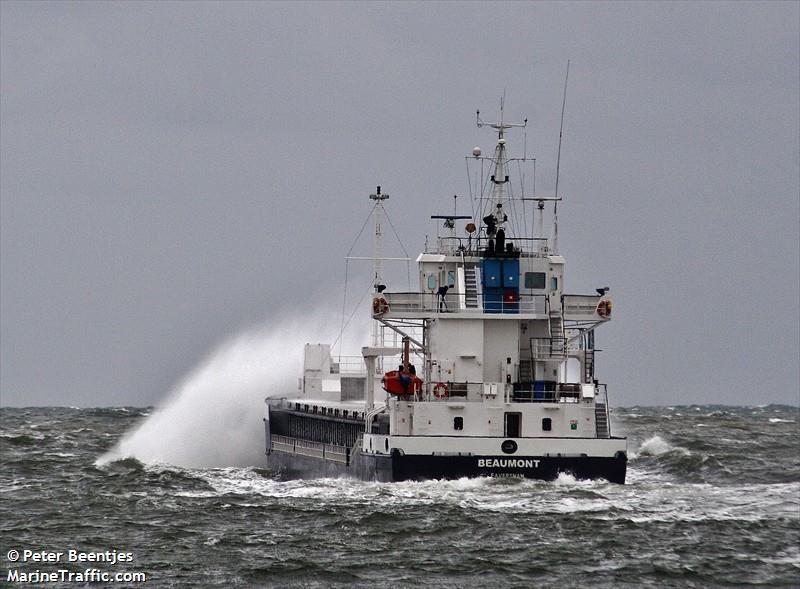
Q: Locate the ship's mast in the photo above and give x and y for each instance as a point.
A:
(377, 244)
(499, 178)
(377, 254)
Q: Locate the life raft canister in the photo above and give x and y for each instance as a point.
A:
(380, 306)
(440, 391)
(604, 309)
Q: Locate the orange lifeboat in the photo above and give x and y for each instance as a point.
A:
(397, 383)
(403, 381)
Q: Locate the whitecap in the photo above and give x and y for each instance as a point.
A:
(567, 480)
(656, 446)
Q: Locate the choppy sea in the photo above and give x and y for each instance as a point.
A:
(712, 500)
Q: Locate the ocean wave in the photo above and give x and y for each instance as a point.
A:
(21, 439)
(121, 463)
(656, 446)
(645, 499)
(703, 506)
(564, 495)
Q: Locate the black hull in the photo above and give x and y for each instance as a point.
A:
(399, 467)
(545, 468)
(300, 445)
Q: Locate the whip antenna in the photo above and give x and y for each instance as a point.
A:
(558, 164)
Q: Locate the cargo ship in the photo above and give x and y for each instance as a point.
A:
(487, 369)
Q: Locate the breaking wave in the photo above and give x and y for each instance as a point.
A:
(656, 446)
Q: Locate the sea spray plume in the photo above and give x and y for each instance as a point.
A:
(213, 418)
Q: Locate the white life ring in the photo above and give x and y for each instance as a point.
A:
(380, 306)
(604, 309)
(440, 391)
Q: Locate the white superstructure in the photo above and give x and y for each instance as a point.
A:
(496, 362)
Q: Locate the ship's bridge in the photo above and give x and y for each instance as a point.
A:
(513, 286)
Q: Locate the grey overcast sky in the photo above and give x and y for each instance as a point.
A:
(175, 172)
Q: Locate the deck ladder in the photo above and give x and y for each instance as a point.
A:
(558, 342)
(471, 287)
(588, 366)
(601, 420)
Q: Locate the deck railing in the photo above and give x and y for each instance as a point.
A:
(525, 247)
(584, 306)
(426, 302)
(520, 392)
(329, 452)
(348, 365)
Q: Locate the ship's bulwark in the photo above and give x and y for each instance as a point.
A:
(543, 468)
(410, 468)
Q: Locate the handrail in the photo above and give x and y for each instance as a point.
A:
(537, 246)
(349, 366)
(519, 392)
(370, 415)
(580, 304)
(321, 450)
(429, 302)
(312, 409)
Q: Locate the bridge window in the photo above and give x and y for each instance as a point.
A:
(458, 423)
(547, 424)
(535, 280)
(431, 281)
(554, 283)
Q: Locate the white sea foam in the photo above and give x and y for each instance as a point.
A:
(643, 500)
(656, 446)
(779, 420)
(214, 417)
(476, 494)
(565, 479)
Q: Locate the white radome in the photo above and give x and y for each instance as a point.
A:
(476, 151)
